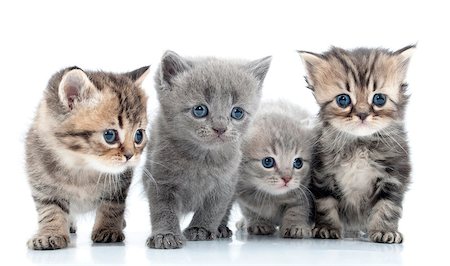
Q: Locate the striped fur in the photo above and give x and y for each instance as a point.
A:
(71, 169)
(361, 167)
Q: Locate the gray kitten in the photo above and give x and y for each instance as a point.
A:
(274, 172)
(206, 106)
(361, 162)
(86, 139)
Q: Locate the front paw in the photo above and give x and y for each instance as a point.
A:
(224, 232)
(261, 229)
(107, 235)
(388, 237)
(48, 241)
(198, 234)
(165, 241)
(327, 232)
(296, 231)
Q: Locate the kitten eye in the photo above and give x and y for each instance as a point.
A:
(200, 111)
(268, 162)
(111, 136)
(237, 113)
(379, 99)
(343, 100)
(298, 163)
(139, 136)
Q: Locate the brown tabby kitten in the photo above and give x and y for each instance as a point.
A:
(361, 166)
(86, 139)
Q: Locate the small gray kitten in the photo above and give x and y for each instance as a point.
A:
(206, 105)
(274, 172)
(361, 166)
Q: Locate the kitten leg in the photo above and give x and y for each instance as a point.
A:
(385, 214)
(72, 225)
(206, 220)
(255, 224)
(53, 230)
(295, 224)
(109, 219)
(328, 223)
(223, 231)
(166, 231)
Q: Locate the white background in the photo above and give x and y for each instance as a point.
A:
(37, 38)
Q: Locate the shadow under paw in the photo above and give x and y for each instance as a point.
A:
(261, 229)
(198, 234)
(327, 232)
(46, 242)
(224, 232)
(296, 231)
(165, 241)
(107, 235)
(388, 237)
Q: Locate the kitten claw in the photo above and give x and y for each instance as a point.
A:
(261, 229)
(326, 233)
(107, 235)
(48, 242)
(198, 234)
(388, 237)
(224, 232)
(296, 231)
(165, 241)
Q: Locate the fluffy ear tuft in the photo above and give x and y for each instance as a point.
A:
(171, 65)
(260, 67)
(75, 87)
(138, 76)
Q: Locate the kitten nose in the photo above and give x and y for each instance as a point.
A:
(362, 116)
(219, 131)
(286, 179)
(128, 155)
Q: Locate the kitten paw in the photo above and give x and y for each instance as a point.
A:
(296, 231)
(224, 232)
(165, 241)
(261, 229)
(107, 235)
(389, 237)
(327, 233)
(198, 234)
(73, 229)
(45, 242)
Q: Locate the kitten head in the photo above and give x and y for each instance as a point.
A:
(209, 101)
(276, 150)
(98, 119)
(361, 91)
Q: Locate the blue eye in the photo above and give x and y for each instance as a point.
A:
(110, 136)
(268, 162)
(139, 136)
(237, 113)
(200, 111)
(343, 100)
(379, 99)
(298, 163)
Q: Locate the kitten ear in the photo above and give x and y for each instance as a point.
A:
(138, 76)
(405, 53)
(171, 65)
(75, 87)
(311, 61)
(259, 68)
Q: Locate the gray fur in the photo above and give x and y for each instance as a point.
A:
(283, 131)
(190, 168)
(361, 166)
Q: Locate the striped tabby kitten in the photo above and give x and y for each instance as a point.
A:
(194, 152)
(361, 166)
(86, 138)
(274, 173)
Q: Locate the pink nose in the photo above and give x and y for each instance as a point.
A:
(286, 179)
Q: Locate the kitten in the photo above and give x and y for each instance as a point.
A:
(194, 152)
(274, 172)
(361, 166)
(86, 138)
